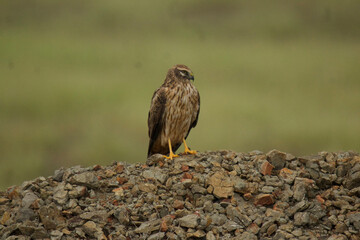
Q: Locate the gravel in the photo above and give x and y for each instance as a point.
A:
(211, 195)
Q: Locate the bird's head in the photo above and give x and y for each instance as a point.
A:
(183, 72)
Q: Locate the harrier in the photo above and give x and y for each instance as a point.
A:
(174, 111)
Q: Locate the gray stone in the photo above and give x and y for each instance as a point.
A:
(39, 233)
(240, 185)
(96, 216)
(28, 199)
(231, 226)
(353, 180)
(156, 236)
(87, 179)
(354, 219)
(277, 159)
(299, 189)
(56, 235)
(51, 217)
(77, 192)
(340, 227)
(247, 236)
(218, 219)
(210, 236)
(58, 175)
(90, 228)
(155, 174)
(25, 214)
(189, 221)
(301, 218)
(235, 215)
(149, 226)
(198, 189)
(271, 229)
(122, 215)
(27, 228)
(60, 194)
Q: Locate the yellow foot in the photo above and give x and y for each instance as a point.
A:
(171, 156)
(187, 150)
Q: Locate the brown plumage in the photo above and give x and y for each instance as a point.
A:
(174, 110)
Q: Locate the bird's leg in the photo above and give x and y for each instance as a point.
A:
(187, 150)
(171, 154)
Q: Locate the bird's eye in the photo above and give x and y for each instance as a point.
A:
(183, 73)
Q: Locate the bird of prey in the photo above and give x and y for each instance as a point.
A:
(174, 110)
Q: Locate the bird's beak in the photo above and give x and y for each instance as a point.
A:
(192, 76)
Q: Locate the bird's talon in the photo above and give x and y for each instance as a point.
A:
(192, 152)
(171, 156)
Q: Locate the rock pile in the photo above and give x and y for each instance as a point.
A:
(213, 195)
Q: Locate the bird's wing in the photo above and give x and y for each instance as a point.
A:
(193, 124)
(155, 118)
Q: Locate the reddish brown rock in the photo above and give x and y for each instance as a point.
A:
(178, 204)
(121, 180)
(187, 176)
(266, 168)
(119, 168)
(264, 199)
(248, 196)
(184, 168)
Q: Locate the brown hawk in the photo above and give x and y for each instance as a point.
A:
(174, 110)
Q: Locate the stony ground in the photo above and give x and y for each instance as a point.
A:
(213, 195)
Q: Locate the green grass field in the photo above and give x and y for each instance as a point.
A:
(76, 78)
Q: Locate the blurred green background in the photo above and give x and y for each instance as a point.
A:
(77, 77)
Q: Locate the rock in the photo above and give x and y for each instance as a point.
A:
(90, 228)
(155, 174)
(87, 179)
(51, 217)
(77, 192)
(218, 219)
(272, 229)
(354, 219)
(178, 204)
(288, 175)
(156, 236)
(60, 194)
(39, 233)
(153, 159)
(147, 187)
(248, 236)
(24, 214)
(231, 226)
(56, 234)
(266, 168)
(353, 180)
(300, 188)
(122, 215)
(28, 199)
(96, 216)
(222, 185)
(301, 218)
(189, 221)
(277, 159)
(210, 236)
(235, 215)
(58, 175)
(148, 227)
(264, 200)
(340, 227)
(213, 195)
(197, 234)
